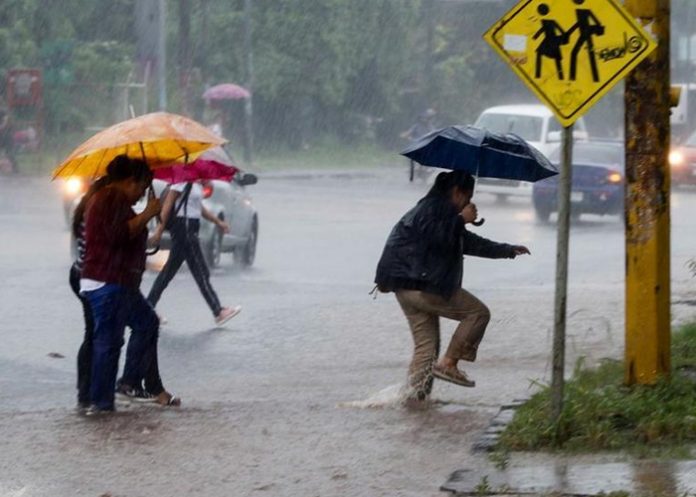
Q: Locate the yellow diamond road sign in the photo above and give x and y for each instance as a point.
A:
(570, 52)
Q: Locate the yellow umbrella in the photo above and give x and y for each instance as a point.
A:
(159, 138)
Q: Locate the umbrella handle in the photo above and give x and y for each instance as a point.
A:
(479, 222)
(158, 217)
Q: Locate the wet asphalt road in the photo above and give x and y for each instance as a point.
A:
(297, 395)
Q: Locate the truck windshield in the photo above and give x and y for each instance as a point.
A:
(691, 141)
(527, 127)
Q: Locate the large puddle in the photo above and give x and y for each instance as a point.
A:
(643, 478)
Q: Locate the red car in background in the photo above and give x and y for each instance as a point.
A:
(682, 161)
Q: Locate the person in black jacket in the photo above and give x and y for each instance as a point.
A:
(422, 263)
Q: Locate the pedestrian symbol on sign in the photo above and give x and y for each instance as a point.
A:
(589, 26)
(555, 36)
(570, 52)
(550, 45)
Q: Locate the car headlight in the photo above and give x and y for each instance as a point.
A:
(676, 158)
(74, 186)
(614, 178)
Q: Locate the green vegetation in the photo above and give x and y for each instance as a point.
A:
(328, 156)
(355, 70)
(600, 413)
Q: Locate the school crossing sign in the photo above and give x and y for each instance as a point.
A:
(570, 52)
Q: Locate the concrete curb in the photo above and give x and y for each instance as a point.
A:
(488, 440)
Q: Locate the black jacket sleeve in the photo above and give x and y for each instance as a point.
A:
(482, 247)
(440, 225)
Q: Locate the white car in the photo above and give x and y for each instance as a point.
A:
(229, 201)
(534, 123)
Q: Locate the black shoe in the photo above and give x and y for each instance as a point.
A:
(130, 394)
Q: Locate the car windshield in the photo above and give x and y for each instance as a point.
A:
(594, 153)
(527, 127)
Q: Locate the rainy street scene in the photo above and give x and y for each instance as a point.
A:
(328, 248)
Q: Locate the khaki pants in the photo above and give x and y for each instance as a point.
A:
(423, 311)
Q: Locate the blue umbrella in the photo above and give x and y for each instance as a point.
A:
(482, 153)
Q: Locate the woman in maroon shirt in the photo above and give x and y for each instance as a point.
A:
(114, 261)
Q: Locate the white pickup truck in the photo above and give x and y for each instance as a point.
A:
(534, 123)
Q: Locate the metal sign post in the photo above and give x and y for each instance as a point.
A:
(562, 244)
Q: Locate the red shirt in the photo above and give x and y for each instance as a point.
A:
(112, 255)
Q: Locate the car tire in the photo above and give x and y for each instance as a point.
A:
(245, 255)
(213, 250)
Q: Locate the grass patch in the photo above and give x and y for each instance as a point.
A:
(327, 156)
(600, 413)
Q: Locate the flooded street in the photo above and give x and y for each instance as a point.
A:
(298, 395)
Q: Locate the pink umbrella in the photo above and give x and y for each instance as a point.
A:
(226, 91)
(211, 164)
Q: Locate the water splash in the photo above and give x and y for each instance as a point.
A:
(393, 396)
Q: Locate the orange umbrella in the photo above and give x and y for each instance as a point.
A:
(159, 138)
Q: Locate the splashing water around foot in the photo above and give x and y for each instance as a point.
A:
(394, 397)
(389, 397)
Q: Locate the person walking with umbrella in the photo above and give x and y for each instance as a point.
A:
(422, 263)
(182, 211)
(119, 169)
(114, 260)
(115, 240)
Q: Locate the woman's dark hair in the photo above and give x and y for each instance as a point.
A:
(140, 171)
(120, 168)
(79, 214)
(445, 182)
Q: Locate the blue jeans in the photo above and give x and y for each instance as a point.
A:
(113, 308)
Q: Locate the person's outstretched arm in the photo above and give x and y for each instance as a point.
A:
(479, 246)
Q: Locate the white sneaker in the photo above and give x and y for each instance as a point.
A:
(226, 314)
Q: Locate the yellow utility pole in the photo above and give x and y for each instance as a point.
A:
(647, 100)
